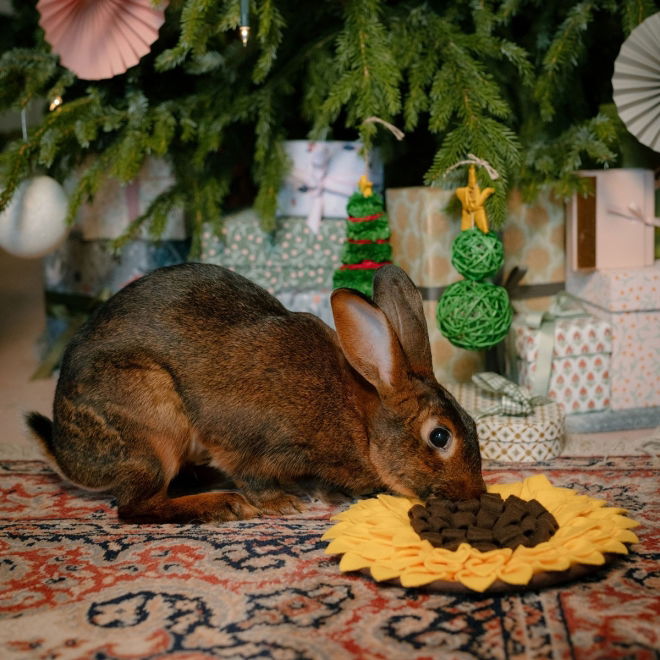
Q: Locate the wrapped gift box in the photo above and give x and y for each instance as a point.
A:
(422, 234)
(293, 258)
(579, 362)
(90, 268)
(80, 274)
(524, 439)
(613, 227)
(629, 300)
(116, 205)
(323, 176)
(534, 237)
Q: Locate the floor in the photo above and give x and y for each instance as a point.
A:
(21, 325)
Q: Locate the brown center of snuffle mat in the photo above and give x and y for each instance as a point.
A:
(487, 523)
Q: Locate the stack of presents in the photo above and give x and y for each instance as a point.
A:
(583, 353)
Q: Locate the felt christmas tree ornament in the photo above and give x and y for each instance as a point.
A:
(367, 245)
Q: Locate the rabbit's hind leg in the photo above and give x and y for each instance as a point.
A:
(129, 435)
(198, 508)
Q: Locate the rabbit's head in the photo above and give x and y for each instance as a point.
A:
(421, 441)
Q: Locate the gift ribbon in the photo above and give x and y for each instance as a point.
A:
(565, 306)
(514, 400)
(633, 212)
(318, 182)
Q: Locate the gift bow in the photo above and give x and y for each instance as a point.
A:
(564, 306)
(317, 181)
(514, 400)
(633, 212)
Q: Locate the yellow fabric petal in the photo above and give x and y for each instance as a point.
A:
(406, 537)
(626, 536)
(475, 582)
(381, 572)
(352, 562)
(417, 578)
(516, 572)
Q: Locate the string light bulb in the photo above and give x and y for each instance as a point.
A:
(244, 26)
(55, 103)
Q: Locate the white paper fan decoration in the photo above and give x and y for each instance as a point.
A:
(99, 39)
(636, 82)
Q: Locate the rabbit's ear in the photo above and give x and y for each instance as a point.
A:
(368, 340)
(401, 302)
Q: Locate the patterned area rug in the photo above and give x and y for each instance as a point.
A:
(75, 583)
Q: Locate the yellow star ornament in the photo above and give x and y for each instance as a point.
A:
(472, 199)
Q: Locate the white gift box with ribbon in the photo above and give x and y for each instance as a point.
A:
(322, 178)
(513, 425)
(614, 227)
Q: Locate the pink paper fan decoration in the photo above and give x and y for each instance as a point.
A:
(99, 39)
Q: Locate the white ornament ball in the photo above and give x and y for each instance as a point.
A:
(32, 224)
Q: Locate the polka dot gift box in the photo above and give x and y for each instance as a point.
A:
(629, 300)
(294, 258)
(578, 356)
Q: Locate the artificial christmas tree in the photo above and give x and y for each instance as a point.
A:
(522, 85)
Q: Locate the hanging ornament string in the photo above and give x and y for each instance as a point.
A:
(24, 124)
(475, 160)
(396, 132)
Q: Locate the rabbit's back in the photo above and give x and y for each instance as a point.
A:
(237, 357)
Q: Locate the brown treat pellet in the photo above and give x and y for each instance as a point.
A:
(479, 534)
(514, 500)
(486, 524)
(504, 534)
(418, 512)
(485, 547)
(548, 519)
(508, 517)
(463, 519)
(486, 519)
(515, 541)
(469, 505)
(440, 523)
(440, 511)
(492, 502)
(454, 534)
(434, 538)
(420, 525)
(535, 508)
(528, 524)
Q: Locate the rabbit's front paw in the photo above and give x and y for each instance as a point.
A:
(276, 502)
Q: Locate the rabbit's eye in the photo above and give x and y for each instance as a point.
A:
(440, 437)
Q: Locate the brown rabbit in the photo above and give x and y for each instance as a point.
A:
(194, 363)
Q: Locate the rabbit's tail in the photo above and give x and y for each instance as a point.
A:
(42, 429)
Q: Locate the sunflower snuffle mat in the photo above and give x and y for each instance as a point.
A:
(523, 534)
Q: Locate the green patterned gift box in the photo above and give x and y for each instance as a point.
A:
(291, 258)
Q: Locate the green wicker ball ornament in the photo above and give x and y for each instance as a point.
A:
(477, 256)
(474, 315)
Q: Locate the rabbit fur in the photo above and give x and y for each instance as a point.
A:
(196, 364)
